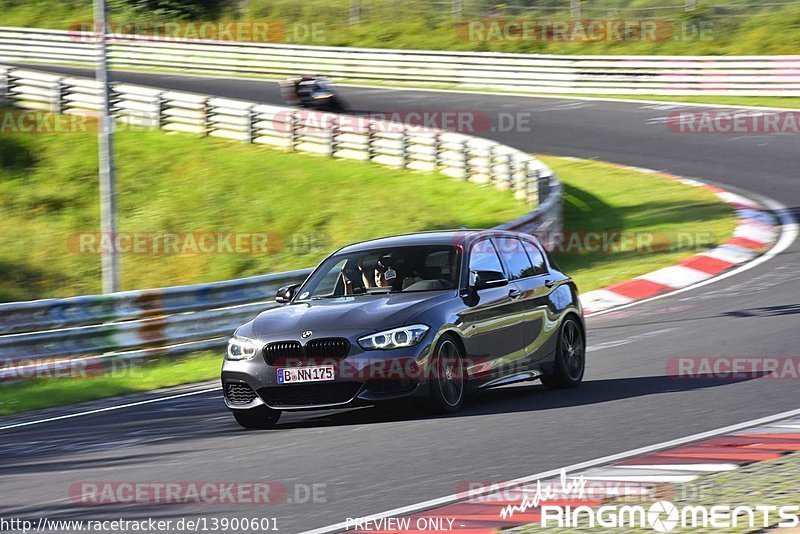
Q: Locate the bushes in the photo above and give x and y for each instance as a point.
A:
(171, 9)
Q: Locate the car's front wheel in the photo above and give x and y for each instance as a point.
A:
(570, 357)
(447, 382)
(260, 417)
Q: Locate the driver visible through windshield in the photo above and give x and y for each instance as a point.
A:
(387, 270)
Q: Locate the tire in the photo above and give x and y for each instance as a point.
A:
(447, 382)
(570, 362)
(257, 418)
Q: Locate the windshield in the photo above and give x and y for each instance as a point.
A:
(385, 270)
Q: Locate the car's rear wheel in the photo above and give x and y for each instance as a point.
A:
(447, 383)
(570, 360)
(260, 417)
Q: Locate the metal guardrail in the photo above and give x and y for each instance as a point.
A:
(48, 314)
(621, 75)
(171, 321)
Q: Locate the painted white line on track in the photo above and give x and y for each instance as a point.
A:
(702, 468)
(107, 409)
(405, 510)
(674, 479)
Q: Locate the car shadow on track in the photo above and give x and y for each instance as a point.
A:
(525, 397)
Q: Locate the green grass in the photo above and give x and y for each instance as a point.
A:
(602, 198)
(772, 482)
(132, 378)
(425, 25)
(598, 197)
(307, 206)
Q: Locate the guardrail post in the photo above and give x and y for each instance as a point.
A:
(57, 102)
(405, 156)
(206, 118)
(465, 156)
(161, 108)
(520, 175)
(490, 170)
(252, 131)
(437, 151)
(531, 184)
(113, 101)
(509, 171)
(5, 87)
(334, 140)
(294, 126)
(542, 186)
(370, 140)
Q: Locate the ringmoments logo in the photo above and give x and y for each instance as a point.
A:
(664, 516)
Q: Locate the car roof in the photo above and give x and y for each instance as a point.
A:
(461, 237)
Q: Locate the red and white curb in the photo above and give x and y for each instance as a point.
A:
(646, 475)
(757, 231)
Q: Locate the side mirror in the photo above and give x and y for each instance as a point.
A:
(486, 279)
(285, 293)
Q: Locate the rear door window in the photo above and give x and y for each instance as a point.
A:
(536, 257)
(519, 265)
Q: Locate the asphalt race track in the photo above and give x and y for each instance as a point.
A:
(369, 461)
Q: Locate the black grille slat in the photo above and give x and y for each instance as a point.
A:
(237, 393)
(282, 351)
(294, 353)
(334, 348)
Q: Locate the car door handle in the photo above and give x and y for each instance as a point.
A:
(514, 293)
(549, 283)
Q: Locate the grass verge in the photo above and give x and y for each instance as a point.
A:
(677, 220)
(598, 197)
(125, 379)
(303, 206)
(712, 28)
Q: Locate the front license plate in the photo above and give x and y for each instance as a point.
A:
(305, 374)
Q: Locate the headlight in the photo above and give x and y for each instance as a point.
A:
(241, 349)
(394, 339)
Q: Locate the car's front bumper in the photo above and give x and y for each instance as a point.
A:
(362, 378)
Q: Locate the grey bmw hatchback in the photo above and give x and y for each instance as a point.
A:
(432, 316)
